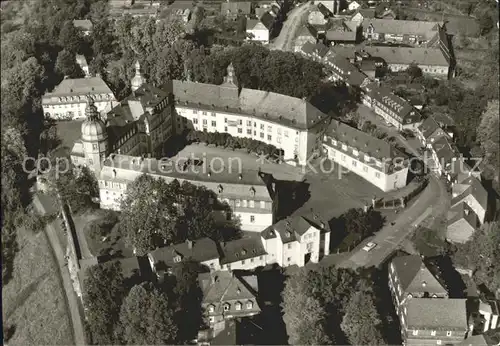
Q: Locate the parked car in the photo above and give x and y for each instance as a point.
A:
(369, 246)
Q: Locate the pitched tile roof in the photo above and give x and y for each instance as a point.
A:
(445, 152)
(233, 184)
(283, 109)
(415, 277)
(267, 19)
(292, 228)
(476, 190)
(397, 104)
(428, 127)
(307, 30)
(318, 49)
(437, 314)
(248, 246)
(366, 12)
(362, 141)
(406, 55)
(228, 287)
(202, 250)
(251, 23)
(474, 340)
(80, 87)
(462, 211)
(407, 27)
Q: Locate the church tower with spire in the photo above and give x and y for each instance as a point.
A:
(94, 137)
(138, 79)
(230, 78)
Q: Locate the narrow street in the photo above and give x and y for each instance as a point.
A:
(284, 41)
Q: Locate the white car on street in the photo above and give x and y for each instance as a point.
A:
(369, 246)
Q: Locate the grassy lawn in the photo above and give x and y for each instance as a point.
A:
(97, 247)
(34, 301)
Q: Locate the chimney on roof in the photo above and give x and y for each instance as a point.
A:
(213, 278)
(189, 244)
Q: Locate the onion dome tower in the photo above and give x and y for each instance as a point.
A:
(138, 79)
(94, 137)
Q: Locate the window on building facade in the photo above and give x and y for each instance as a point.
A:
(249, 122)
(343, 157)
(252, 218)
(269, 137)
(91, 162)
(433, 332)
(95, 147)
(377, 175)
(249, 305)
(204, 113)
(195, 111)
(252, 203)
(240, 122)
(242, 262)
(286, 133)
(278, 139)
(225, 120)
(249, 131)
(214, 123)
(289, 245)
(195, 121)
(226, 307)
(260, 258)
(269, 129)
(415, 332)
(288, 259)
(448, 333)
(262, 135)
(354, 163)
(225, 128)
(262, 126)
(278, 130)
(240, 130)
(211, 308)
(237, 306)
(204, 121)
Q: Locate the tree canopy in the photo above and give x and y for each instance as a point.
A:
(146, 317)
(155, 213)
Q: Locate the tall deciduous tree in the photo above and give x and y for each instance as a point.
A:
(146, 317)
(304, 315)
(67, 66)
(361, 322)
(70, 38)
(103, 293)
(488, 136)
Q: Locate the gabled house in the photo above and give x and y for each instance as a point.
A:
(314, 51)
(363, 13)
(430, 131)
(471, 192)
(443, 154)
(245, 253)
(297, 240)
(435, 321)
(334, 37)
(203, 251)
(306, 34)
(426, 314)
(228, 295)
(260, 30)
(462, 223)
(401, 31)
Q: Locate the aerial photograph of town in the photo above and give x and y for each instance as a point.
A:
(261, 172)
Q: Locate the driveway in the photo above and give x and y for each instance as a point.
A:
(432, 201)
(288, 32)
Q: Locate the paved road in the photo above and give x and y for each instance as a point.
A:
(430, 202)
(52, 231)
(285, 39)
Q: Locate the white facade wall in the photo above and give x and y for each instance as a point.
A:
(291, 140)
(259, 34)
(437, 70)
(385, 182)
(247, 264)
(74, 107)
(113, 190)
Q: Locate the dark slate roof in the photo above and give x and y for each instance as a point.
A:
(203, 249)
(283, 109)
(318, 49)
(324, 10)
(291, 228)
(475, 189)
(428, 127)
(445, 152)
(407, 55)
(248, 246)
(367, 12)
(475, 340)
(409, 27)
(414, 276)
(308, 30)
(398, 105)
(361, 141)
(267, 19)
(437, 314)
(462, 211)
(251, 23)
